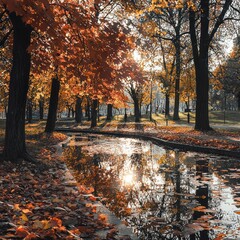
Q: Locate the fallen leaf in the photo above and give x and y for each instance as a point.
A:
(24, 217)
(22, 232)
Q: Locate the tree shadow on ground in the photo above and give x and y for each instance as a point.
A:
(139, 127)
(102, 125)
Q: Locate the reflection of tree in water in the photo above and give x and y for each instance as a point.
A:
(162, 213)
(89, 172)
(202, 197)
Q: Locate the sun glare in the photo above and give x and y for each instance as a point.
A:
(136, 55)
(128, 179)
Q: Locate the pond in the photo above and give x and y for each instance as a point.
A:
(160, 193)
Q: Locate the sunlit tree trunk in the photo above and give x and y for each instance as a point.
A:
(15, 146)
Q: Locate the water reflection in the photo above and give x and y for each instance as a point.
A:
(160, 193)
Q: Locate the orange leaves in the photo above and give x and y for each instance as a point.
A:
(22, 232)
(220, 236)
(43, 228)
(102, 217)
(47, 224)
(186, 135)
(70, 36)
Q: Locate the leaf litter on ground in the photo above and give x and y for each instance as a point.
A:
(36, 203)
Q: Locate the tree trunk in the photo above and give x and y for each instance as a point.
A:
(69, 112)
(201, 66)
(109, 112)
(5, 110)
(238, 101)
(177, 79)
(88, 113)
(202, 79)
(41, 108)
(29, 111)
(167, 103)
(151, 102)
(15, 146)
(146, 112)
(78, 110)
(94, 113)
(73, 112)
(125, 115)
(53, 105)
(136, 110)
(98, 112)
(140, 109)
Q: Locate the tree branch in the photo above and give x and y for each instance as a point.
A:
(220, 19)
(4, 39)
(193, 35)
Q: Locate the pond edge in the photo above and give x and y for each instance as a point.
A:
(158, 141)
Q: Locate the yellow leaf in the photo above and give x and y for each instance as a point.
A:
(16, 207)
(26, 211)
(24, 217)
(46, 224)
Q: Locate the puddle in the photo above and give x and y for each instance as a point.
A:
(160, 193)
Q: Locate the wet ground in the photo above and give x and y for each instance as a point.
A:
(161, 193)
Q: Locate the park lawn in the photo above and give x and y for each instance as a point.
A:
(215, 117)
(223, 136)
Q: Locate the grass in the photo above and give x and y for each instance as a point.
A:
(217, 117)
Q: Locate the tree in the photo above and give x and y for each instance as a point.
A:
(228, 75)
(53, 105)
(109, 111)
(166, 21)
(15, 147)
(166, 76)
(171, 22)
(200, 49)
(49, 22)
(78, 110)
